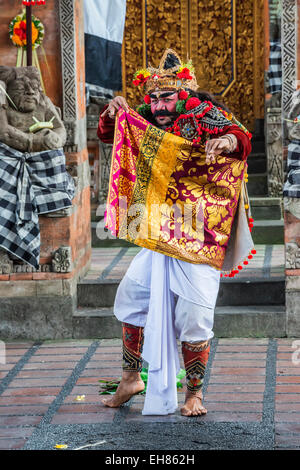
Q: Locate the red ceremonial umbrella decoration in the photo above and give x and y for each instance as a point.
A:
(28, 4)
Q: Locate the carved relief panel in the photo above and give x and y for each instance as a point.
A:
(224, 38)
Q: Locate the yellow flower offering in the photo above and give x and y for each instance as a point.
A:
(80, 398)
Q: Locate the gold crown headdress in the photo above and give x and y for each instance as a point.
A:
(171, 74)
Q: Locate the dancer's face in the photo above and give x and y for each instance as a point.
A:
(163, 107)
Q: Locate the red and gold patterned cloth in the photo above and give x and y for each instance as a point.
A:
(157, 176)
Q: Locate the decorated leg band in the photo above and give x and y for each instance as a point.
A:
(133, 339)
(195, 357)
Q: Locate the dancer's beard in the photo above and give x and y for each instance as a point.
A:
(162, 113)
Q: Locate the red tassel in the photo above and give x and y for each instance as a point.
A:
(240, 267)
(245, 262)
(250, 256)
(253, 252)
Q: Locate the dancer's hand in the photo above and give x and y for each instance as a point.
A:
(114, 106)
(214, 147)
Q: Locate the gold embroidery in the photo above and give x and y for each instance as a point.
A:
(168, 178)
(214, 215)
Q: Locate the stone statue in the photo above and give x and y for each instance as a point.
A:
(33, 176)
(24, 106)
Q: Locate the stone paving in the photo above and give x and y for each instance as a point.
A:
(251, 390)
(112, 263)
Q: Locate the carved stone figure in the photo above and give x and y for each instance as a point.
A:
(6, 265)
(62, 260)
(292, 253)
(33, 176)
(27, 107)
(274, 152)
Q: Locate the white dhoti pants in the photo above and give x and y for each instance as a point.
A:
(169, 298)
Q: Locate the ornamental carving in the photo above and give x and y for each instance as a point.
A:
(132, 48)
(62, 260)
(274, 152)
(213, 43)
(204, 31)
(6, 264)
(292, 256)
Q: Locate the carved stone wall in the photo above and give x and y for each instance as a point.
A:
(40, 304)
(289, 52)
(98, 150)
(105, 161)
(74, 121)
(274, 151)
(289, 25)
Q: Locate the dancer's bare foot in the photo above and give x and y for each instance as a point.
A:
(193, 404)
(131, 384)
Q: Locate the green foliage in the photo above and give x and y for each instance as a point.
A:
(110, 387)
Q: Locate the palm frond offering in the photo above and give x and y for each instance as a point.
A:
(109, 387)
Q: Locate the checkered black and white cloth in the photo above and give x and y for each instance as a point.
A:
(292, 184)
(30, 184)
(275, 68)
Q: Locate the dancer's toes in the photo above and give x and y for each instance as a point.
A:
(185, 411)
(193, 405)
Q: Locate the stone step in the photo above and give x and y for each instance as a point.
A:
(266, 208)
(257, 163)
(259, 129)
(258, 146)
(263, 207)
(96, 323)
(268, 232)
(107, 242)
(257, 184)
(233, 291)
(236, 321)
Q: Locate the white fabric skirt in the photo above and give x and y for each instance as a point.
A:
(169, 298)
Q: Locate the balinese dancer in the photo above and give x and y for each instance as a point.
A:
(180, 149)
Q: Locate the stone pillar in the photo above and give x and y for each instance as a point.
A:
(100, 154)
(40, 305)
(273, 112)
(274, 151)
(290, 58)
